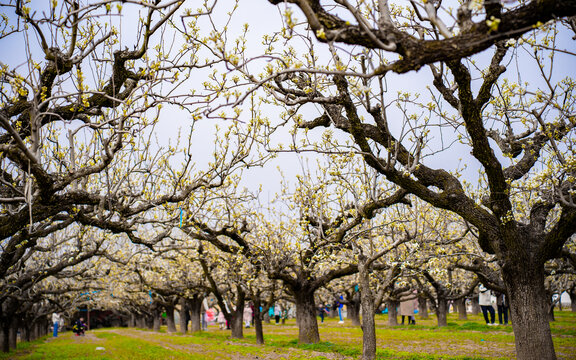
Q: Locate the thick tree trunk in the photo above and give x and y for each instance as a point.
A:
(573, 301)
(170, 324)
(354, 311)
(423, 308)
(306, 315)
(368, 325)
(183, 316)
(258, 321)
(529, 308)
(195, 308)
(392, 312)
(441, 311)
(461, 306)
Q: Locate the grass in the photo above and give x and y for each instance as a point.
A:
(461, 340)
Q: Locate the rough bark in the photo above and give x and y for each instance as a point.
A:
(528, 309)
(306, 315)
(392, 312)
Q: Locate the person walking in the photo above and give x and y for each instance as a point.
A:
(485, 301)
(56, 321)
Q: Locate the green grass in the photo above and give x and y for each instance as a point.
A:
(461, 340)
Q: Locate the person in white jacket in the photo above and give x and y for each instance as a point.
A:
(485, 301)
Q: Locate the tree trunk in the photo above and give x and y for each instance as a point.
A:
(183, 316)
(573, 301)
(392, 312)
(441, 311)
(306, 315)
(423, 308)
(238, 315)
(157, 318)
(170, 324)
(475, 306)
(13, 333)
(368, 325)
(258, 321)
(461, 306)
(528, 308)
(5, 338)
(354, 311)
(132, 320)
(195, 307)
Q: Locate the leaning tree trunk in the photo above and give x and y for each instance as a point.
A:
(423, 308)
(367, 304)
(306, 315)
(183, 316)
(529, 309)
(461, 307)
(441, 311)
(392, 312)
(170, 324)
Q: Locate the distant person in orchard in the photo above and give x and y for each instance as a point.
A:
(485, 301)
(56, 322)
(79, 327)
(502, 303)
(408, 305)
